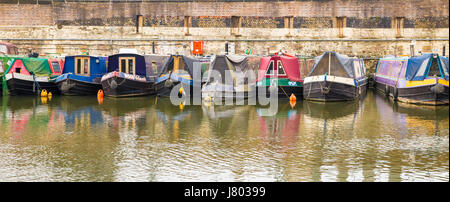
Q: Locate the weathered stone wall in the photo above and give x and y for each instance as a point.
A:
(368, 28)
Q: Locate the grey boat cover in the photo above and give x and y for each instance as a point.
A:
(189, 64)
(154, 63)
(232, 63)
(335, 64)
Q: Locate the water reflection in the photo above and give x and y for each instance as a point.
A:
(149, 139)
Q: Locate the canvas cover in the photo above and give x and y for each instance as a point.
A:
(332, 63)
(290, 66)
(154, 63)
(96, 69)
(420, 67)
(186, 63)
(36, 66)
(444, 65)
(5, 62)
(226, 65)
(113, 63)
(392, 67)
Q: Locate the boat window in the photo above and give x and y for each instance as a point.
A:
(155, 68)
(78, 66)
(434, 68)
(280, 68)
(422, 68)
(130, 66)
(357, 68)
(270, 69)
(18, 70)
(127, 65)
(56, 67)
(444, 67)
(123, 65)
(3, 49)
(82, 66)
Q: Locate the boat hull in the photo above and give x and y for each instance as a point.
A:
(76, 87)
(122, 87)
(25, 85)
(283, 91)
(334, 91)
(415, 95)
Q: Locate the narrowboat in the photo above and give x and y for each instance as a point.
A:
(228, 77)
(177, 70)
(127, 76)
(81, 75)
(29, 76)
(335, 77)
(8, 49)
(282, 73)
(417, 80)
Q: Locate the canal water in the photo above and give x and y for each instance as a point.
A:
(149, 139)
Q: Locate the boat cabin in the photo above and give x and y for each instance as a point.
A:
(84, 65)
(128, 63)
(37, 66)
(8, 49)
(279, 67)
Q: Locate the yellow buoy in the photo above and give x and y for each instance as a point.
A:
(44, 93)
(181, 90)
(44, 100)
(181, 106)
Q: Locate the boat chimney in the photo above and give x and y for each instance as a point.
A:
(411, 48)
(226, 47)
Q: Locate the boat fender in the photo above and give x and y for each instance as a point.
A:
(168, 83)
(49, 95)
(64, 86)
(386, 90)
(44, 93)
(325, 90)
(100, 94)
(395, 93)
(113, 84)
(292, 98)
(437, 89)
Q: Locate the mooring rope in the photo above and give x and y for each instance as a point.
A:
(36, 84)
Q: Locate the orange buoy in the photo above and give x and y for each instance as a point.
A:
(100, 94)
(100, 100)
(292, 98)
(292, 102)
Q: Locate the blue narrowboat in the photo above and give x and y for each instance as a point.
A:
(81, 75)
(127, 76)
(417, 80)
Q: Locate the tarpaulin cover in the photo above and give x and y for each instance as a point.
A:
(228, 64)
(290, 65)
(444, 65)
(332, 63)
(158, 60)
(186, 64)
(96, 69)
(113, 63)
(36, 66)
(419, 67)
